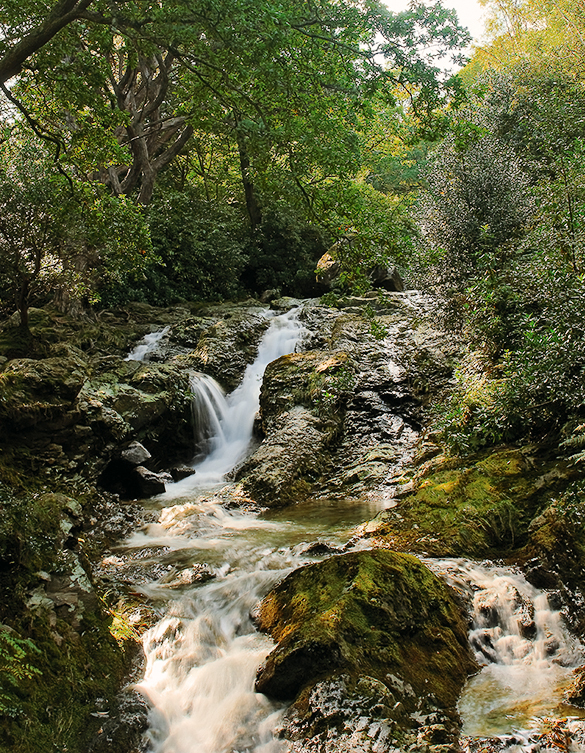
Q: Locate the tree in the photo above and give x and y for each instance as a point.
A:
(56, 232)
(23, 35)
(283, 81)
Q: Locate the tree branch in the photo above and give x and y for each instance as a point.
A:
(62, 14)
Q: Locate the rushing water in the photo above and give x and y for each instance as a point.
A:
(228, 431)
(147, 345)
(203, 656)
(526, 653)
(219, 561)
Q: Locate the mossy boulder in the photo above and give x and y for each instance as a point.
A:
(554, 557)
(33, 391)
(476, 507)
(372, 613)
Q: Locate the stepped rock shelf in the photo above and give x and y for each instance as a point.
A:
(262, 542)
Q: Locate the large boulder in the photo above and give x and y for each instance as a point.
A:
(370, 645)
(375, 613)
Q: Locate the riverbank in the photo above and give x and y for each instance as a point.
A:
(339, 427)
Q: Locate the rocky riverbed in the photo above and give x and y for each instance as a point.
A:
(370, 646)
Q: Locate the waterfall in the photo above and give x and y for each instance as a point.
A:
(202, 657)
(227, 424)
(520, 640)
(146, 346)
(209, 409)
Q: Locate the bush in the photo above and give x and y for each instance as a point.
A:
(286, 255)
(201, 249)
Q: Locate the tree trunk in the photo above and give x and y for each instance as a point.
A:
(252, 205)
(22, 304)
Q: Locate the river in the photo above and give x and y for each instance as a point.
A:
(221, 558)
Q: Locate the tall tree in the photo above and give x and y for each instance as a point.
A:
(282, 79)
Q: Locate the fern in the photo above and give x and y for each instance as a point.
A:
(576, 442)
(14, 665)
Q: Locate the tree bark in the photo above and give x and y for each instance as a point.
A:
(252, 205)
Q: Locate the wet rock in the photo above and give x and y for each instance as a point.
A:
(375, 612)
(179, 472)
(149, 484)
(575, 694)
(288, 460)
(320, 549)
(225, 349)
(123, 726)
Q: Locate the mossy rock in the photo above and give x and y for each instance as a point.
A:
(37, 390)
(376, 613)
(475, 507)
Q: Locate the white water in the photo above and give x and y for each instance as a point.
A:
(525, 650)
(233, 418)
(146, 346)
(203, 656)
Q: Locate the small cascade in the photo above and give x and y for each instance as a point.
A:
(208, 409)
(520, 640)
(203, 656)
(147, 345)
(228, 427)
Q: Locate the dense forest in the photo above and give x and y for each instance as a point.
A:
(162, 154)
(169, 152)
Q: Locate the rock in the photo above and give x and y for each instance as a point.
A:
(387, 278)
(281, 470)
(479, 506)
(375, 613)
(327, 270)
(123, 727)
(269, 295)
(225, 349)
(149, 483)
(575, 693)
(179, 472)
(135, 454)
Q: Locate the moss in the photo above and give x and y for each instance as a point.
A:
(373, 613)
(52, 711)
(476, 507)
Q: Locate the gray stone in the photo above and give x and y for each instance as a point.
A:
(135, 454)
(148, 482)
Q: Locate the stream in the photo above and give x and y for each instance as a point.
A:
(219, 560)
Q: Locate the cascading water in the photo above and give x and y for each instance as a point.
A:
(147, 345)
(203, 656)
(217, 562)
(526, 653)
(230, 422)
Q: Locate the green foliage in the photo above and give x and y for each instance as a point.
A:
(58, 236)
(377, 330)
(15, 667)
(200, 248)
(331, 390)
(476, 414)
(576, 442)
(286, 251)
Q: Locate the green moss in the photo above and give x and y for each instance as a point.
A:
(476, 507)
(369, 613)
(52, 710)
